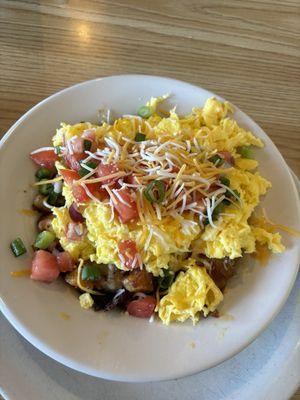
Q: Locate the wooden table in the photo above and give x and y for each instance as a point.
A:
(246, 51)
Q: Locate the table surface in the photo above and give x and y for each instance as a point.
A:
(246, 51)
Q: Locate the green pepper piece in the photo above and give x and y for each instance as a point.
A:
(44, 239)
(90, 272)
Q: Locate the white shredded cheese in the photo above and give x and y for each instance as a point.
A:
(148, 240)
(115, 192)
(42, 149)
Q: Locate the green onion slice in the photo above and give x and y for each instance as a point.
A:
(52, 198)
(45, 189)
(17, 247)
(165, 281)
(245, 152)
(155, 191)
(218, 210)
(225, 181)
(90, 272)
(44, 239)
(144, 112)
(84, 171)
(217, 160)
(87, 144)
(140, 137)
(57, 150)
(43, 173)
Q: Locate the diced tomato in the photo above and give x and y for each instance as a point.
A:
(46, 158)
(127, 212)
(75, 231)
(100, 193)
(130, 179)
(175, 169)
(107, 169)
(72, 160)
(128, 251)
(142, 308)
(226, 157)
(79, 192)
(65, 261)
(213, 187)
(77, 145)
(69, 175)
(74, 152)
(44, 267)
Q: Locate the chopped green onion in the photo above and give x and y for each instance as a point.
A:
(144, 112)
(43, 173)
(57, 150)
(44, 239)
(155, 191)
(225, 181)
(140, 137)
(218, 210)
(164, 282)
(245, 152)
(230, 195)
(217, 160)
(84, 171)
(17, 247)
(52, 198)
(236, 193)
(45, 189)
(87, 144)
(90, 272)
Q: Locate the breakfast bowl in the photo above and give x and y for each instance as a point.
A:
(114, 345)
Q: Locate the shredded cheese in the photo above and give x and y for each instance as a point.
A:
(57, 179)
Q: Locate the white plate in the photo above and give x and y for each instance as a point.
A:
(114, 346)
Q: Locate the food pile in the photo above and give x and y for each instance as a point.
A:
(149, 213)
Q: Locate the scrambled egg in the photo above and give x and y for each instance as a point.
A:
(86, 301)
(233, 233)
(192, 292)
(162, 243)
(105, 234)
